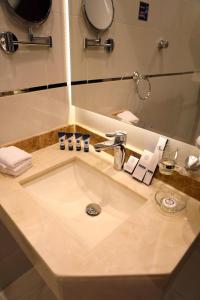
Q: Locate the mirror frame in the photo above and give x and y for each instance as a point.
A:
(24, 21)
(89, 22)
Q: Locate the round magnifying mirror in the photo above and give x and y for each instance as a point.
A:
(99, 14)
(30, 11)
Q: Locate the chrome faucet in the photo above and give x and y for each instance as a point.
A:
(118, 144)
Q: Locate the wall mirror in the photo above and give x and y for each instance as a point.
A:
(31, 12)
(146, 83)
(99, 14)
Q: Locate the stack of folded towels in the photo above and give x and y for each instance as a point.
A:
(14, 161)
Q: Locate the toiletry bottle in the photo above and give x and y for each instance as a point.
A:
(86, 142)
(61, 136)
(69, 138)
(78, 141)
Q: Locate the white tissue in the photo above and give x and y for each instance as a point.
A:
(128, 117)
(18, 170)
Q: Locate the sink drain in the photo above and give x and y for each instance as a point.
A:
(93, 209)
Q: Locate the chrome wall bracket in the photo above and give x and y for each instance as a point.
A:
(108, 45)
(138, 78)
(163, 44)
(38, 40)
(10, 44)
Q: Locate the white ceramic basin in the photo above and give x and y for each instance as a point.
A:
(66, 191)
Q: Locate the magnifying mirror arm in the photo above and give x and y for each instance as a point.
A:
(108, 45)
(10, 44)
(33, 43)
(38, 40)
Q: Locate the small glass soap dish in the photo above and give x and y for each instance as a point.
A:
(170, 202)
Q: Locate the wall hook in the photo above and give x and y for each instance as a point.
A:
(163, 44)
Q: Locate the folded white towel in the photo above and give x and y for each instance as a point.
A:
(11, 157)
(18, 170)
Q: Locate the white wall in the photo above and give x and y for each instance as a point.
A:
(27, 114)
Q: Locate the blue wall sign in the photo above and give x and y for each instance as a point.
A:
(143, 11)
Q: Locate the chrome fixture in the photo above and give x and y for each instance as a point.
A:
(10, 44)
(138, 78)
(108, 45)
(118, 144)
(192, 162)
(99, 16)
(93, 209)
(163, 44)
(35, 13)
(29, 13)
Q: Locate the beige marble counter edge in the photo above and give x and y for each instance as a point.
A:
(16, 217)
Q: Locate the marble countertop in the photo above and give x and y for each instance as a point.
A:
(150, 243)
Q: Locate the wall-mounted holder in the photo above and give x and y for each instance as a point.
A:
(10, 44)
(138, 78)
(163, 44)
(95, 43)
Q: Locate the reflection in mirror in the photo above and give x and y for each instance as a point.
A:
(31, 11)
(105, 85)
(172, 110)
(99, 14)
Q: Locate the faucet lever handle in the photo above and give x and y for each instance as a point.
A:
(120, 136)
(110, 134)
(116, 133)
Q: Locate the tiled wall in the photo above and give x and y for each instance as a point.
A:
(136, 50)
(28, 114)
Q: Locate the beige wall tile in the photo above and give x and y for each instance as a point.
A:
(27, 114)
(75, 7)
(78, 56)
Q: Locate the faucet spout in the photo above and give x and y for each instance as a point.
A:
(117, 144)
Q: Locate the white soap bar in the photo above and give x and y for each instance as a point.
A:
(130, 165)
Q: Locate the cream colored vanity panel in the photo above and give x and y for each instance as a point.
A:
(13, 262)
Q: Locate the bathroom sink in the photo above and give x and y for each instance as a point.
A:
(66, 191)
